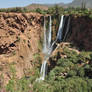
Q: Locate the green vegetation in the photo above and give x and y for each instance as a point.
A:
(71, 74)
(38, 10)
(24, 84)
(18, 38)
(40, 44)
(12, 70)
(22, 10)
(1, 81)
(14, 52)
(16, 9)
(1, 68)
(21, 85)
(24, 40)
(55, 10)
(37, 60)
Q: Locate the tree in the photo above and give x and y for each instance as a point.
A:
(83, 4)
(38, 10)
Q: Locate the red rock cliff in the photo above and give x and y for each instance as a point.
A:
(20, 34)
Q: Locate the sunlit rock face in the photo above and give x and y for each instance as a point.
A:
(20, 36)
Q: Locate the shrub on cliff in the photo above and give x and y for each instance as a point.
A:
(16, 9)
(72, 73)
(56, 10)
(38, 10)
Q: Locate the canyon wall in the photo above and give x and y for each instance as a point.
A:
(81, 32)
(21, 36)
(20, 40)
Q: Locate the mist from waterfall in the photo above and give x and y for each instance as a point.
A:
(48, 47)
(43, 70)
(45, 38)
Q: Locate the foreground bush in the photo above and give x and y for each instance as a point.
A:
(71, 74)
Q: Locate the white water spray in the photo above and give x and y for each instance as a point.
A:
(59, 34)
(43, 70)
(48, 51)
(45, 38)
(49, 35)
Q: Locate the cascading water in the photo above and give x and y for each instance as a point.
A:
(49, 35)
(43, 70)
(43, 67)
(47, 44)
(45, 38)
(59, 34)
(48, 51)
(60, 30)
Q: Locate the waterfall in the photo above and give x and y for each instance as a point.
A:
(43, 70)
(45, 38)
(59, 34)
(49, 35)
(43, 67)
(48, 51)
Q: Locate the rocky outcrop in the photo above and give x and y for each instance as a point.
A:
(21, 39)
(20, 36)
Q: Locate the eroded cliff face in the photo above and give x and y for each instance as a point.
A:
(81, 32)
(20, 36)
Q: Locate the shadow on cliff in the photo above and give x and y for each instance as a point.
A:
(80, 32)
